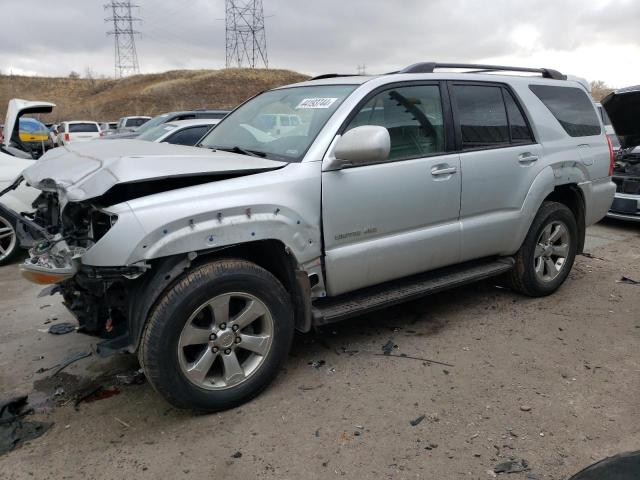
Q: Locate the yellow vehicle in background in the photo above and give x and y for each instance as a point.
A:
(34, 135)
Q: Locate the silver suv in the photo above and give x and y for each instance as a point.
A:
(205, 260)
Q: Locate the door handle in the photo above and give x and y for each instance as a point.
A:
(527, 157)
(437, 171)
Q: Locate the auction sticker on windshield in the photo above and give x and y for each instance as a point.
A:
(316, 103)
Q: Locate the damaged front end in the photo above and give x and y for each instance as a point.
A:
(97, 296)
(626, 176)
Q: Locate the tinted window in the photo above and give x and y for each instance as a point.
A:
(82, 127)
(518, 127)
(136, 122)
(188, 136)
(482, 116)
(571, 107)
(413, 117)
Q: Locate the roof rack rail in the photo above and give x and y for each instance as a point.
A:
(429, 67)
(334, 75)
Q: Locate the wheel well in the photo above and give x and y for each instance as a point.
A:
(571, 196)
(273, 256)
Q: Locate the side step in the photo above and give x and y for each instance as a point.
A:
(329, 310)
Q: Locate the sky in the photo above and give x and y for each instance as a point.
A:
(594, 39)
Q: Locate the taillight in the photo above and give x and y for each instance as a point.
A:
(611, 156)
(66, 137)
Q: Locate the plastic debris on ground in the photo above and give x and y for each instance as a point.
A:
(512, 466)
(13, 429)
(62, 328)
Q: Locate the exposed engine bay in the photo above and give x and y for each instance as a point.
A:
(626, 171)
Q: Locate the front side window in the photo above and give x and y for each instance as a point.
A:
(413, 117)
(572, 108)
(482, 116)
(254, 128)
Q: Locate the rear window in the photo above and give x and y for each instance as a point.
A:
(82, 127)
(136, 122)
(571, 107)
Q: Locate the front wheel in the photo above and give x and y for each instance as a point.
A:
(218, 337)
(547, 253)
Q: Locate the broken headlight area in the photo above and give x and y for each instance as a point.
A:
(70, 232)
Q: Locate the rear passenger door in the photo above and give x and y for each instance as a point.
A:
(499, 160)
(383, 221)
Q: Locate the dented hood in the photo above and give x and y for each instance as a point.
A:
(623, 108)
(88, 170)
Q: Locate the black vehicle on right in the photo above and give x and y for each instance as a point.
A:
(623, 108)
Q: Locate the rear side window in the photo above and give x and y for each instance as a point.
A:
(571, 107)
(482, 116)
(518, 127)
(136, 122)
(82, 127)
(188, 136)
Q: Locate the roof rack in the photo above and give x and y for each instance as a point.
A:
(429, 67)
(334, 75)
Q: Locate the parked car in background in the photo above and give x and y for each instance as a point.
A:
(205, 261)
(77, 131)
(623, 108)
(128, 125)
(34, 136)
(108, 128)
(16, 204)
(169, 117)
(179, 132)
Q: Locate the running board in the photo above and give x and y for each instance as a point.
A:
(329, 310)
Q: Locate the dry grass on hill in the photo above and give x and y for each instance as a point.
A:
(149, 94)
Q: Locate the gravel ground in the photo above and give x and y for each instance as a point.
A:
(554, 381)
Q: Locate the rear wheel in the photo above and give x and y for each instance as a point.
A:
(218, 337)
(9, 244)
(547, 253)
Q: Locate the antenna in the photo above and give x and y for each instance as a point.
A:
(246, 43)
(126, 57)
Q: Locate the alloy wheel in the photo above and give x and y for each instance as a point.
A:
(225, 341)
(7, 238)
(552, 249)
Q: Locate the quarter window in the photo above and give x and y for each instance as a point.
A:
(571, 107)
(413, 117)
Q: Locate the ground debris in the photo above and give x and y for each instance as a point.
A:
(512, 466)
(425, 360)
(416, 421)
(388, 347)
(591, 255)
(238, 454)
(62, 328)
(134, 377)
(13, 429)
(317, 363)
(628, 280)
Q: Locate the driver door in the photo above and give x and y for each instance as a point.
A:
(388, 220)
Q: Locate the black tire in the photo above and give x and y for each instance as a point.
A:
(159, 351)
(11, 253)
(523, 277)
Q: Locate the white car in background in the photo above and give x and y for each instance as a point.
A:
(77, 131)
(180, 132)
(14, 159)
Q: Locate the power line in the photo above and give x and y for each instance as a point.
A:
(125, 55)
(246, 42)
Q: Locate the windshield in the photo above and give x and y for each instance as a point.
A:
(279, 124)
(153, 134)
(154, 122)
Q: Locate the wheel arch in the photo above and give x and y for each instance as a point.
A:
(571, 196)
(272, 255)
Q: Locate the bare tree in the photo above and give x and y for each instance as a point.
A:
(600, 89)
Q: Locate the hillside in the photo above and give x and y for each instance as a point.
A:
(149, 94)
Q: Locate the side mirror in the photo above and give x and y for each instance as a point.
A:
(365, 144)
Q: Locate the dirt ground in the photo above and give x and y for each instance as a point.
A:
(555, 381)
